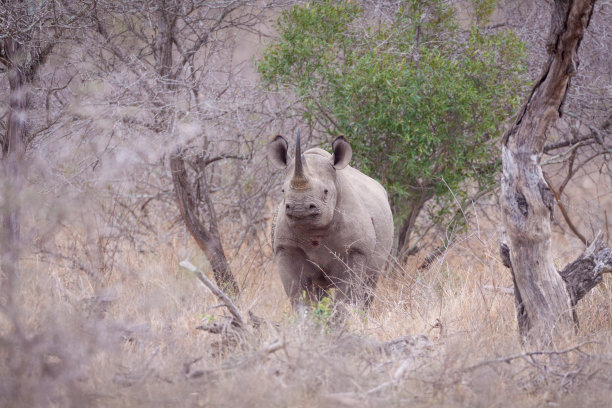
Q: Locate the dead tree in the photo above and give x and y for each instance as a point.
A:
(208, 239)
(543, 300)
(28, 35)
(13, 155)
(168, 49)
(577, 147)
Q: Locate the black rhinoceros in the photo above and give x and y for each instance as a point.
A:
(333, 228)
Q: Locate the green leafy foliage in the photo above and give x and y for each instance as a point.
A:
(323, 311)
(421, 99)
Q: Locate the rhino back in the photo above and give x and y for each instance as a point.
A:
(367, 199)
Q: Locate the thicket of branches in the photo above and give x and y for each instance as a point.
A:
(98, 98)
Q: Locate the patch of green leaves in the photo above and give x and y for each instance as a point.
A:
(322, 311)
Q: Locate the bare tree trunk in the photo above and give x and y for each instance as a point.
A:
(13, 155)
(405, 230)
(207, 240)
(543, 303)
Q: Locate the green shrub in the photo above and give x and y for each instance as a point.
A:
(421, 100)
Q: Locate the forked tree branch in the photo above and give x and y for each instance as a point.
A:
(581, 275)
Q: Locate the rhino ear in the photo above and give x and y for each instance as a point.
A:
(342, 153)
(277, 152)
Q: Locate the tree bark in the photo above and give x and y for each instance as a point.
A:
(579, 276)
(209, 242)
(543, 303)
(405, 230)
(587, 271)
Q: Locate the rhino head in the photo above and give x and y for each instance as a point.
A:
(310, 189)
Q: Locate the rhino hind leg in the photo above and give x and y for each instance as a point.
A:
(357, 285)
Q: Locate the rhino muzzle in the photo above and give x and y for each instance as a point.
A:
(302, 211)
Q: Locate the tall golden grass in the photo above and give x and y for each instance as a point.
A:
(123, 333)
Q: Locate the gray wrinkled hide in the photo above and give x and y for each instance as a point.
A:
(346, 240)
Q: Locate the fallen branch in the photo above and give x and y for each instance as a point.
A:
(499, 289)
(254, 358)
(238, 321)
(525, 354)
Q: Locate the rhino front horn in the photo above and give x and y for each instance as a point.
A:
(299, 180)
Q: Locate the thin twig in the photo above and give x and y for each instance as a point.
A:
(500, 289)
(564, 213)
(562, 157)
(526, 354)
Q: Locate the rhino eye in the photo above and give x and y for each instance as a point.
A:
(325, 191)
(283, 190)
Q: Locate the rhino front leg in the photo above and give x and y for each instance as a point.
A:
(298, 276)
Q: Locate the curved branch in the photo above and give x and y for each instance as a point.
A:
(208, 241)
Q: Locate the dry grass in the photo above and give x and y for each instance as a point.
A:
(125, 336)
